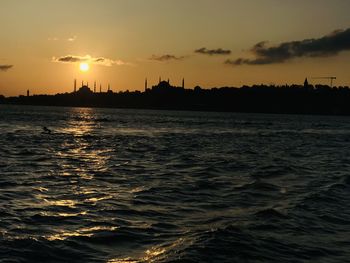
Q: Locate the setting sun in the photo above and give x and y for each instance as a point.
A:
(84, 67)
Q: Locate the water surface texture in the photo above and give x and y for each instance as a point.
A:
(159, 186)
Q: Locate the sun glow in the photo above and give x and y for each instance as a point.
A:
(84, 67)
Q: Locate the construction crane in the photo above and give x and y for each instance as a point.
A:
(330, 78)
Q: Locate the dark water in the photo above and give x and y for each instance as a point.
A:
(149, 186)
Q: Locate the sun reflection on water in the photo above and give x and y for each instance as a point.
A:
(84, 232)
(123, 260)
(97, 199)
(81, 121)
(154, 254)
(66, 203)
(72, 214)
(79, 159)
(79, 154)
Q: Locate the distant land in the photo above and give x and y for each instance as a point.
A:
(287, 99)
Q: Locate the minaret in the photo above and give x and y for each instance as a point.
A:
(146, 85)
(95, 87)
(306, 83)
(28, 93)
(183, 83)
(75, 85)
(82, 83)
(168, 81)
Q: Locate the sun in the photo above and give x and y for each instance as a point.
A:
(84, 66)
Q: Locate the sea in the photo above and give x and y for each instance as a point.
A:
(127, 186)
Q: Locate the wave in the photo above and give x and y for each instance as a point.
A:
(148, 186)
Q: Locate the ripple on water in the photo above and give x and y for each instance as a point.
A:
(147, 186)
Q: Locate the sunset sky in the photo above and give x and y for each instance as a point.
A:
(209, 43)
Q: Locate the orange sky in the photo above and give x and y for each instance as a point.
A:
(125, 41)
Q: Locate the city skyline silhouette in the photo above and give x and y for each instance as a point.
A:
(286, 99)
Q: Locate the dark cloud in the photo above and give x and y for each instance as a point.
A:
(212, 52)
(71, 59)
(98, 61)
(5, 67)
(326, 46)
(167, 57)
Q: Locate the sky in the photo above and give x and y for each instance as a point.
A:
(209, 43)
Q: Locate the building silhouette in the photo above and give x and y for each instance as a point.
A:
(84, 90)
(302, 98)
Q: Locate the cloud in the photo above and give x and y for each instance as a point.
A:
(71, 59)
(167, 57)
(72, 39)
(5, 67)
(53, 39)
(329, 45)
(212, 52)
(88, 59)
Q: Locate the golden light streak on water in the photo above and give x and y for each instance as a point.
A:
(84, 232)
